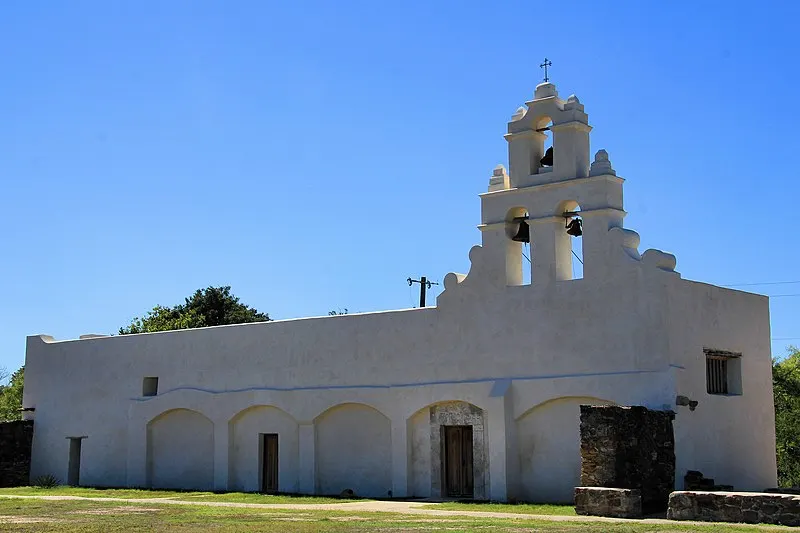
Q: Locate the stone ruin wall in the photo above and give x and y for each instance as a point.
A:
(15, 453)
(629, 448)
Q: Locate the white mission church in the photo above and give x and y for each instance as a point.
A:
(480, 401)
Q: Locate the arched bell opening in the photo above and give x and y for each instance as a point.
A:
(543, 154)
(518, 256)
(569, 256)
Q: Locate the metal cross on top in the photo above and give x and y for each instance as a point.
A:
(544, 65)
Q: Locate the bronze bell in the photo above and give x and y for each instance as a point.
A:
(547, 160)
(574, 227)
(524, 231)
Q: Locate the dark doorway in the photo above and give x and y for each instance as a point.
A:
(458, 461)
(269, 462)
(74, 468)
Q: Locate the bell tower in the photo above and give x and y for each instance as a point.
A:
(553, 192)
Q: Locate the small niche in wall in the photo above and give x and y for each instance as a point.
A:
(150, 386)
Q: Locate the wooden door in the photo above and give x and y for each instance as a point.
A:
(458, 461)
(269, 463)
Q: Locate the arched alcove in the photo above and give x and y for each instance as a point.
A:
(549, 449)
(518, 252)
(247, 454)
(180, 451)
(353, 447)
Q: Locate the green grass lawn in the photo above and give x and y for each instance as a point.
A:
(236, 497)
(522, 508)
(31, 515)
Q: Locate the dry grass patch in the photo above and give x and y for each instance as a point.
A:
(25, 520)
(117, 510)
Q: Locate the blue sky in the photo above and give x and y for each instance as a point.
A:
(313, 155)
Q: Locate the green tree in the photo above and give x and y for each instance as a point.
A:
(11, 397)
(213, 306)
(786, 388)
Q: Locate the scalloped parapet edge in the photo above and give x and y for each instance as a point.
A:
(629, 241)
(43, 338)
(660, 259)
(453, 279)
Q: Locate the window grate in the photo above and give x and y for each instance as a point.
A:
(717, 375)
(723, 372)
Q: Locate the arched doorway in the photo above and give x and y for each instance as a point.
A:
(449, 455)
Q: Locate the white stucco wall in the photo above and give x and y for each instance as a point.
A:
(626, 344)
(420, 454)
(728, 438)
(349, 395)
(354, 451)
(180, 450)
(246, 429)
(549, 449)
(481, 340)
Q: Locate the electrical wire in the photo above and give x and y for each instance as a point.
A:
(432, 291)
(792, 295)
(764, 283)
(731, 285)
(525, 256)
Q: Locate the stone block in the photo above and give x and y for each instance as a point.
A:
(629, 448)
(748, 507)
(603, 501)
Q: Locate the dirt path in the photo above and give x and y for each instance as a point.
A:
(408, 508)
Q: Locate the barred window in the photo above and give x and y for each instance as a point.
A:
(723, 372)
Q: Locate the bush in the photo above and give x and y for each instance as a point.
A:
(46, 482)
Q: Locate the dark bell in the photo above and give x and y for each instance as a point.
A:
(574, 227)
(523, 233)
(547, 160)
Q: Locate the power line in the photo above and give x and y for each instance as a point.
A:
(791, 295)
(764, 283)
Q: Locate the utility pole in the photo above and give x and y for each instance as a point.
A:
(424, 283)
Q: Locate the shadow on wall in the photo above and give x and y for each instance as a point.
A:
(549, 449)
